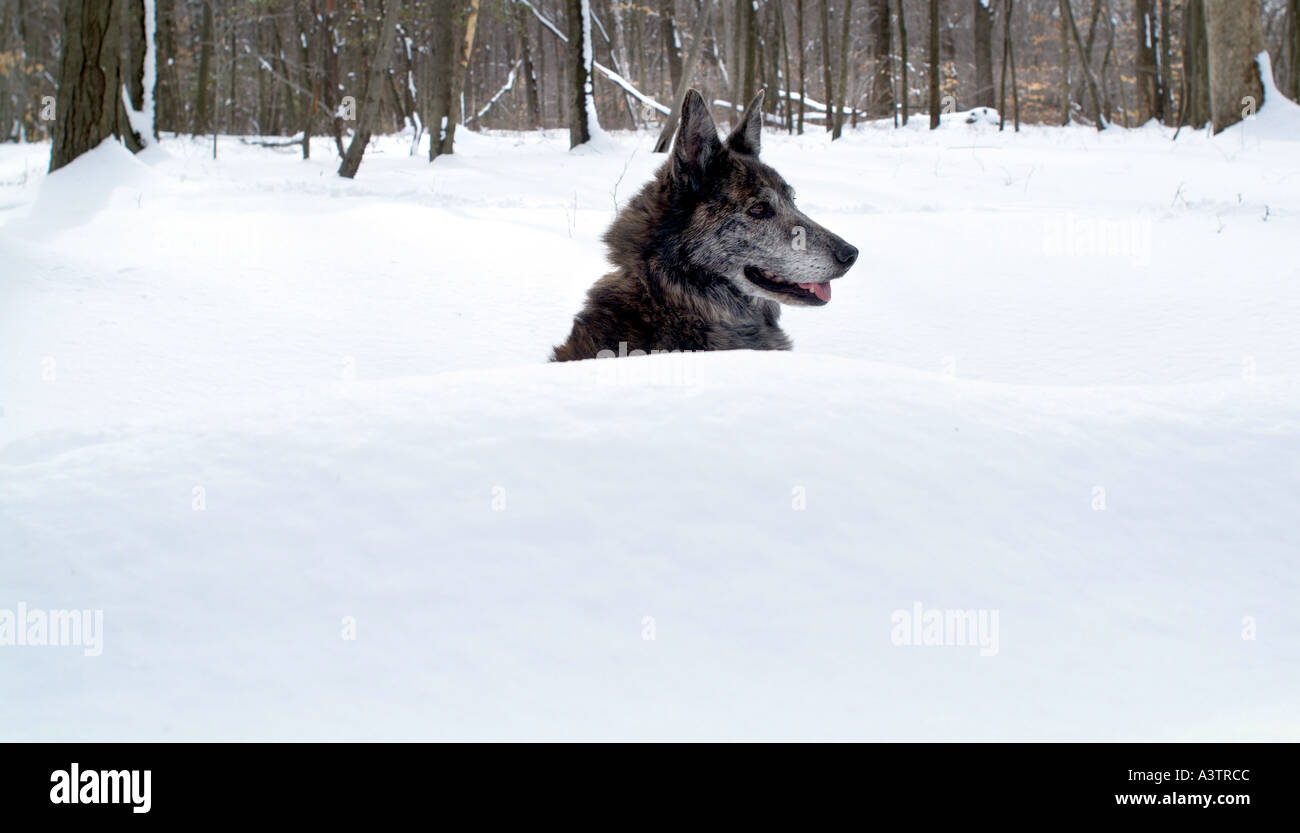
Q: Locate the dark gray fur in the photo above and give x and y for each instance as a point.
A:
(681, 248)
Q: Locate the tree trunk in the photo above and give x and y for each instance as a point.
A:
(688, 73)
(457, 91)
(1086, 63)
(847, 13)
(234, 64)
(668, 33)
(828, 88)
(90, 106)
(983, 12)
(1194, 109)
(934, 64)
(1293, 18)
(880, 55)
(441, 71)
(205, 65)
(531, 99)
(1166, 77)
(1065, 63)
(803, 54)
(1150, 96)
(904, 92)
(374, 90)
(785, 56)
(581, 99)
(330, 65)
(165, 98)
(1234, 36)
(1008, 61)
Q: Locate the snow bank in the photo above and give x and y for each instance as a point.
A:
(297, 440)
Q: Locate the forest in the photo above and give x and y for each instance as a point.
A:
(279, 70)
(305, 417)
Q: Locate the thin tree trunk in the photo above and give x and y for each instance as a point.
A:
(1293, 18)
(1008, 61)
(934, 64)
(1065, 63)
(234, 65)
(904, 93)
(1166, 78)
(844, 69)
(440, 88)
(879, 29)
(983, 13)
(531, 95)
(785, 54)
(205, 66)
(330, 64)
(828, 88)
(668, 32)
(803, 54)
(698, 36)
(374, 90)
(1086, 64)
(458, 78)
(1150, 96)
(580, 84)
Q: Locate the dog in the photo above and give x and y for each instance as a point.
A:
(707, 252)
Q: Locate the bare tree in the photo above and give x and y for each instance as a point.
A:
(205, 62)
(1293, 45)
(983, 14)
(879, 49)
(826, 63)
(933, 58)
(1150, 96)
(1166, 77)
(671, 47)
(904, 92)
(1008, 61)
(379, 62)
(688, 73)
(461, 70)
(582, 111)
(803, 51)
(531, 94)
(1194, 106)
(1086, 64)
(844, 70)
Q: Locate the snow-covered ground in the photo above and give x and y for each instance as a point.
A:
(296, 437)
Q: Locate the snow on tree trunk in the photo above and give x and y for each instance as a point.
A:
(143, 121)
(583, 123)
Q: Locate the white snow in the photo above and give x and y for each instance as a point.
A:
(243, 400)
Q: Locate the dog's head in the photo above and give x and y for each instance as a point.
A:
(740, 218)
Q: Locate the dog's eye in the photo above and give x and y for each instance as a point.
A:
(760, 209)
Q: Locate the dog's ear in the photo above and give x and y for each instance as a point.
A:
(697, 141)
(749, 132)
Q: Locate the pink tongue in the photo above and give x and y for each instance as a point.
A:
(821, 290)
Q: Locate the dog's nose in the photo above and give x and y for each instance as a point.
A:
(846, 254)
